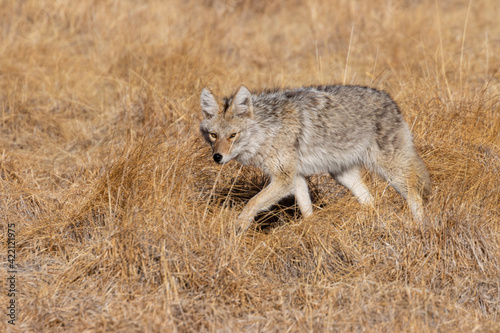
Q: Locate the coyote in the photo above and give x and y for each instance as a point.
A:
(294, 133)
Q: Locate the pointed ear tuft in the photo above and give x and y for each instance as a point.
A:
(209, 106)
(242, 103)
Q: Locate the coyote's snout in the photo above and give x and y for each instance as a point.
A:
(294, 133)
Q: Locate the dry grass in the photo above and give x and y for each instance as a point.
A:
(125, 224)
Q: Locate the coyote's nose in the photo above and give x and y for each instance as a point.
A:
(217, 158)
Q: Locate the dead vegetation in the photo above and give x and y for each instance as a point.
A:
(123, 222)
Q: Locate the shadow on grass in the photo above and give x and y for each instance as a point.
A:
(241, 191)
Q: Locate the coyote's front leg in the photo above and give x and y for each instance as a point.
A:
(278, 188)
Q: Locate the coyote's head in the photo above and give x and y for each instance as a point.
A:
(227, 128)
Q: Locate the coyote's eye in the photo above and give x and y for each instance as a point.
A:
(232, 136)
(213, 135)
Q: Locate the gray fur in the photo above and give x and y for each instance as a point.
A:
(335, 129)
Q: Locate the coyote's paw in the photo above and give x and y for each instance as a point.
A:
(242, 224)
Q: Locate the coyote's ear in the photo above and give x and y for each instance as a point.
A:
(242, 103)
(209, 106)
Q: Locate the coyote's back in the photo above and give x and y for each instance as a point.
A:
(294, 133)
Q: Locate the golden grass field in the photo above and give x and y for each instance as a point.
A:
(123, 222)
